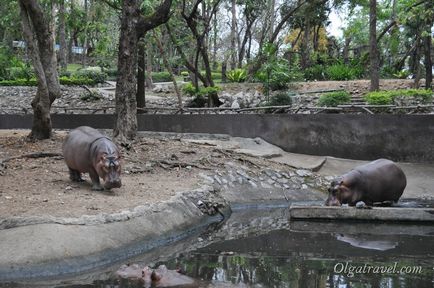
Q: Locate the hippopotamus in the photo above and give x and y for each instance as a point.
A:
(377, 182)
(159, 277)
(88, 151)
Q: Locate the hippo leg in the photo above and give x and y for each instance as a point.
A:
(96, 185)
(75, 176)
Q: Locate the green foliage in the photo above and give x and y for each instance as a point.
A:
(184, 73)
(403, 74)
(315, 72)
(340, 72)
(64, 80)
(161, 77)
(74, 80)
(237, 75)
(200, 95)
(275, 73)
(19, 82)
(21, 72)
(379, 98)
(334, 99)
(280, 99)
(189, 89)
(93, 73)
(112, 72)
(388, 97)
(90, 96)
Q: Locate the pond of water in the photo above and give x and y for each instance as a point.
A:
(261, 248)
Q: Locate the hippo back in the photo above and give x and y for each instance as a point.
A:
(381, 180)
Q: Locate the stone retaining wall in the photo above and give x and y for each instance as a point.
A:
(406, 138)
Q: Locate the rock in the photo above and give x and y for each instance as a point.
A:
(235, 105)
(303, 173)
(266, 185)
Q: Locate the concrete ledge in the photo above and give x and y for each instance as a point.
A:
(53, 250)
(351, 213)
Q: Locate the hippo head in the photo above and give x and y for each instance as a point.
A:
(339, 194)
(109, 169)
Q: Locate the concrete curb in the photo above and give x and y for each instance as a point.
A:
(54, 250)
(352, 213)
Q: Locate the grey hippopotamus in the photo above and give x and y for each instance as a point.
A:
(88, 151)
(380, 181)
(159, 277)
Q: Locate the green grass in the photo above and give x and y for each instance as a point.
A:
(73, 67)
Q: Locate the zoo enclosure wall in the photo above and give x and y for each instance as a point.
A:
(407, 138)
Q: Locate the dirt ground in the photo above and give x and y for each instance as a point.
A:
(153, 170)
(356, 87)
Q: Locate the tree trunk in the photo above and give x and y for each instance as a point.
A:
(38, 32)
(305, 51)
(140, 96)
(346, 49)
(271, 11)
(427, 48)
(126, 105)
(133, 26)
(169, 69)
(214, 43)
(234, 35)
(148, 74)
(63, 50)
(86, 26)
(373, 49)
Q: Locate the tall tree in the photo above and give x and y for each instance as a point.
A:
(373, 49)
(134, 25)
(38, 30)
(429, 14)
(234, 34)
(63, 49)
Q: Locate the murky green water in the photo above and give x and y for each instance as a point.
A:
(260, 248)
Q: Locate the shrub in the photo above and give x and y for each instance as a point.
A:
(91, 96)
(334, 99)
(33, 82)
(379, 98)
(185, 74)
(237, 75)
(93, 73)
(280, 99)
(21, 72)
(112, 72)
(161, 77)
(216, 75)
(19, 82)
(403, 74)
(340, 72)
(389, 97)
(200, 96)
(315, 72)
(76, 80)
(63, 73)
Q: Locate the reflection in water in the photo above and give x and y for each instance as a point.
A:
(367, 244)
(267, 271)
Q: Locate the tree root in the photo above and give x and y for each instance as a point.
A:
(166, 164)
(32, 155)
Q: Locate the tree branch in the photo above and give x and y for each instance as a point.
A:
(160, 16)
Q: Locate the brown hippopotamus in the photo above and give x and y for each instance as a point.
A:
(87, 150)
(159, 277)
(380, 181)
